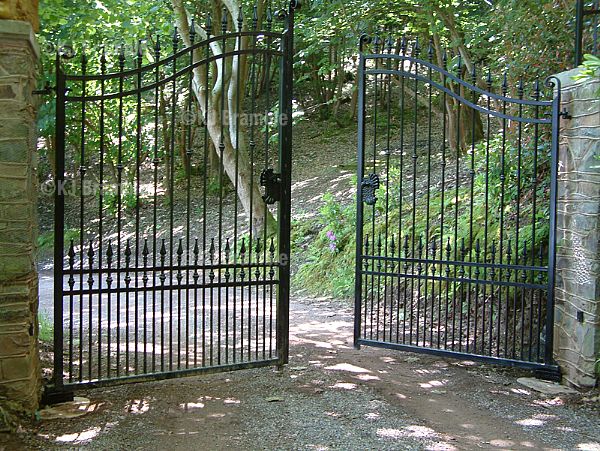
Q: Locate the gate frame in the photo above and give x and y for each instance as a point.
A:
(58, 390)
(549, 369)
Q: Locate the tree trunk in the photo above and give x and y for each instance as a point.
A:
(246, 180)
(461, 135)
(340, 76)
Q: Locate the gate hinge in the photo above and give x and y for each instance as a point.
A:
(565, 114)
(272, 183)
(46, 90)
(369, 186)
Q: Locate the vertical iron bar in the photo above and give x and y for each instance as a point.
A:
(227, 276)
(155, 163)
(252, 145)
(119, 207)
(188, 175)
(379, 270)
(400, 197)
(256, 307)
(242, 257)
(59, 224)
(443, 201)
(502, 183)
(138, 151)
(477, 273)
(416, 51)
(419, 278)
(82, 172)
(127, 285)
(205, 185)
(447, 303)
(171, 170)
(239, 92)
(196, 277)
(486, 217)
(492, 277)
(540, 309)
(579, 11)
(267, 88)
(548, 357)
(536, 97)
(508, 313)
(109, 281)
(388, 99)
(461, 274)
(145, 278)
(456, 191)
(162, 277)
(358, 279)
(71, 282)
(471, 203)
(221, 174)
(179, 277)
(271, 278)
(518, 216)
(374, 293)
(90, 282)
(428, 199)
(100, 211)
(285, 169)
(211, 277)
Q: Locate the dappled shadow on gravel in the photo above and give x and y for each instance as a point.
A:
(330, 397)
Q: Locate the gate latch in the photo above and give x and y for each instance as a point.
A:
(369, 185)
(272, 183)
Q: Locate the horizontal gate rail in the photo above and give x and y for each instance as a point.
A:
(456, 208)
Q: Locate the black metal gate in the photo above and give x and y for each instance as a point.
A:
(456, 208)
(161, 269)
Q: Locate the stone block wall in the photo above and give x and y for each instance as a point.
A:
(19, 367)
(577, 327)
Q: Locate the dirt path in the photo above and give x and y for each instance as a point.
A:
(330, 397)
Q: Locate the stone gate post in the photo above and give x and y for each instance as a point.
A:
(19, 368)
(577, 326)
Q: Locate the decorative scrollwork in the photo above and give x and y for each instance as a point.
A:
(369, 186)
(66, 51)
(365, 39)
(553, 82)
(271, 181)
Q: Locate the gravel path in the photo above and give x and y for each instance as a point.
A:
(330, 397)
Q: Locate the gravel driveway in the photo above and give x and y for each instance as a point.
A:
(330, 397)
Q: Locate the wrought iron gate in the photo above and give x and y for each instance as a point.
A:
(456, 208)
(160, 268)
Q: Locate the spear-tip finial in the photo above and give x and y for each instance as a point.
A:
(224, 21)
(192, 31)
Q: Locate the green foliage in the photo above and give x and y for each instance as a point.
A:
(45, 241)
(531, 38)
(128, 199)
(46, 328)
(590, 69)
(330, 254)
(331, 271)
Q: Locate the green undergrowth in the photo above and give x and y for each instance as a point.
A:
(46, 328)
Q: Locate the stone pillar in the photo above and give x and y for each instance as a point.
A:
(577, 327)
(19, 367)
